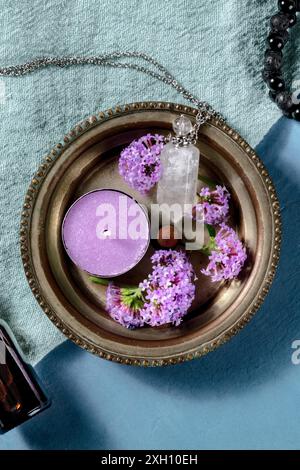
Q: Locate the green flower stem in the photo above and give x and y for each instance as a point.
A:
(131, 296)
(211, 245)
(211, 230)
(212, 184)
(99, 280)
(104, 282)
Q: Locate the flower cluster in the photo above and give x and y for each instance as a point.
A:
(213, 205)
(227, 257)
(139, 163)
(169, 290)
(164, 297)
(124, 304)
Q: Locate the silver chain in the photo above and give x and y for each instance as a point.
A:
(205, 110)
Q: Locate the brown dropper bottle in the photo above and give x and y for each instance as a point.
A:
(21, 395)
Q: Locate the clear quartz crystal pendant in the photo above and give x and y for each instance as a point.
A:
(182, 126)
(180, 163)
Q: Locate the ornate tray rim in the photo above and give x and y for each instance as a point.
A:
(38, 179)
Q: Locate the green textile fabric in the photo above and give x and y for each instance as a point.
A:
(214, 48)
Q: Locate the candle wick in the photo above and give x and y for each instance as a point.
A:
(106, 233)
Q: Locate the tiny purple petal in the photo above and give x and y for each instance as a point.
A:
(228, 258)
(213, 205)
(139, 163)
(120, 312)
(169, 290)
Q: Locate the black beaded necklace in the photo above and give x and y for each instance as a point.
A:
(281, 22)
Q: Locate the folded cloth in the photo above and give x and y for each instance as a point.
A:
(214, 48)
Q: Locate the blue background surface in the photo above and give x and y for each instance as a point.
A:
(244, 395)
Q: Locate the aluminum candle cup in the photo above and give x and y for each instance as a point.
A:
(106, 232)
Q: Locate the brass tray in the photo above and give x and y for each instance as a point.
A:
(86, 160)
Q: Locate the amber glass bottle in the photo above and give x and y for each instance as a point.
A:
(21, 395)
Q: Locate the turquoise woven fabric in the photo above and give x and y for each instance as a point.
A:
(214, 48)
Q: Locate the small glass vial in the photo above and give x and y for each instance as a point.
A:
(21, 395)
(180, 166)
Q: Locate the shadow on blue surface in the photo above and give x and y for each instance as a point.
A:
(213, 391)
(66, 424)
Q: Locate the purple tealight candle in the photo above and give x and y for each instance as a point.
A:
(106, 232)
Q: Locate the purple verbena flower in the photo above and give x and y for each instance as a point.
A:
(124, 304)
(164, 297)
(213, 205)
(169, 290)
(139, 163)
(227, 257)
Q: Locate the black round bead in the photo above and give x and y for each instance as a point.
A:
(284, 101)
(292, 20)
(285, 36)
(272, 95)
(288, 6)
(280, 22)
(276, 84)
(273, 60)
(275, 42)
(268, 74)
(296, 112)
